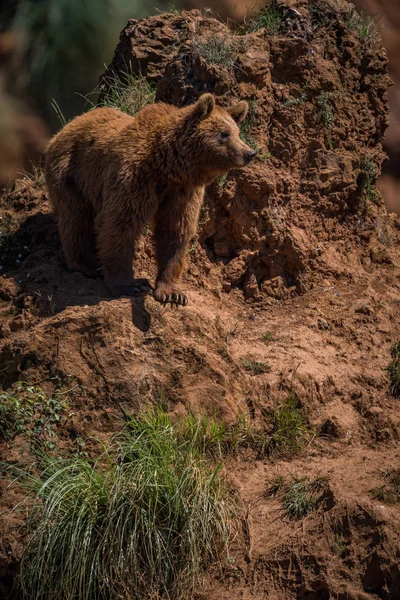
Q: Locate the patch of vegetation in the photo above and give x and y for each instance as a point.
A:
(367, 181)
(267, 336)
(255, 367)
(246, 127)
(362, 24)
(29, 411)
(394, 370)
(289, 427)
(300, 99)
(299, 496)
(143, 521)
(270, 17)
(129, 95)
(220, 181)
(282, 431)
(390, 491)
(326, 115)
(216, 50)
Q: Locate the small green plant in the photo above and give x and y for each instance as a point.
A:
(367, 181)
(267, 336)
(270, 17)
(255, 367)
(299, 496)
(216, 50)
(143, 521)
(221, 180)
(27, 410)
(246, 127)
(326, 115)
(390, 491)
(394, 370)
(362, 23)
(300, 99)
(129, 95)
(289, 427)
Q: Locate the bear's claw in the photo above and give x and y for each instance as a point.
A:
(173, 299)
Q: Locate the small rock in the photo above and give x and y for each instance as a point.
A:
(322, 324)
(374, 410)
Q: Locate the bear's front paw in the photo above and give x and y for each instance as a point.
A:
(168, 295)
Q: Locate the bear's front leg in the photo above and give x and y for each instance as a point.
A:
(176, 224)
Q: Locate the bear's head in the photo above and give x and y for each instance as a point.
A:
(215, 135)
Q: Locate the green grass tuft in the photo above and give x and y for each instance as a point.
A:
(390, 491)
(394, 370)
(216, 50)
(143, 521)
(299, 496)
(267, 336)
(367, 179)
(271, 18)
(255, 367)
(326, 115)
(130, 95)
(290, 427)
(362, 24)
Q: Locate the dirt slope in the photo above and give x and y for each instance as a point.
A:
(299, 245)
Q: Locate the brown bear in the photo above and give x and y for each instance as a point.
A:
(108, 174)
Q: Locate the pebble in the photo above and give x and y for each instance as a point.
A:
(19, 255)
(17, 261)
(1, 268)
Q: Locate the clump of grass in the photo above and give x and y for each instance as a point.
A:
(361, 23)
(390, 491)
(216, 50)
(267, 336)
(27, 410)
(326, 115)
(367, 180)
(289, 427)
(129, 95)
(299, 496)
(255, 367)
(143, 521)
(270, 17)
(246, 127)
(394, 370)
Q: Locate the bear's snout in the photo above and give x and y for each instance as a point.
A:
(250, 155)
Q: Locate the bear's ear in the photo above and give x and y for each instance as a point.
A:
(239, 111)
(203, 107)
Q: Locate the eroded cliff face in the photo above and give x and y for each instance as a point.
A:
(295, 270)
(318, 112)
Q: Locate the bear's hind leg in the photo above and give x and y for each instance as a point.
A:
(116, 239)
(75, 219)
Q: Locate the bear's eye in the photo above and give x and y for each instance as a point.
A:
(224, 134)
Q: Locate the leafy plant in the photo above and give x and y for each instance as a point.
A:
(143, 521)
(29, 411)
(394, 370)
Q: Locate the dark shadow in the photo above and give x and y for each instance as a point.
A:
(33, 258)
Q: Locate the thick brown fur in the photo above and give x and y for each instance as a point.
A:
(108, 174)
